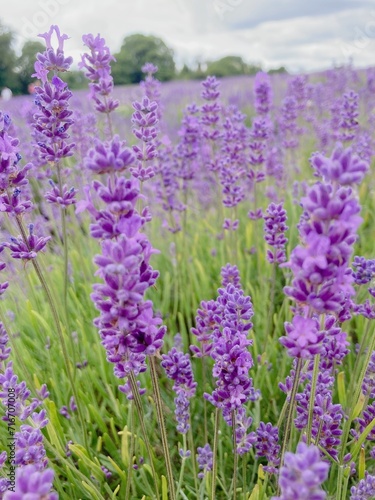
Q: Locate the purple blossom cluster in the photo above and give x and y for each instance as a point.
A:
(32, 484)
(177, 366)
(97, 66)
(145, 119)
(262, 93)
(274, 232)
(349, 116)
(204, 459)
(365, 489)
(302, 474)
(320, 265)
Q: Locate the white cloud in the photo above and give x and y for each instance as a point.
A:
(298, 35)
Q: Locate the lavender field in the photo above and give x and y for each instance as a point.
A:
(187, 285)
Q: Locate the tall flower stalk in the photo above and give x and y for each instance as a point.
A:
(52, 121)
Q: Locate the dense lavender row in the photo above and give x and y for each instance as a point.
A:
(277, 192)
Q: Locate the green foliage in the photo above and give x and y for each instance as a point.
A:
(25, 64)
(135, 51)
(231, 65)
(75, 80)
(8, 76)
(281, 69)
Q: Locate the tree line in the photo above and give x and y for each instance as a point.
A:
(136, 50)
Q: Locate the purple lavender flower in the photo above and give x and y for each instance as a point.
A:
(274, 229)
(365, 489)
(98, 71)
(33, 484)
(111, 156)
(151, 85)
(303, 339)
(127, 325)
(207, 320)
(343, 167)
(52, 59)
(210, 111)
(322, 278)
(14, 197)
(177, 367)
(302, 474)
(64, 198)
(204, 459)
(266, 445)
(230, 275)
(364, 270)
(262, 93)
(288, 123)
(349, 114)
(145, 119)
(27, 250)
(232, 358)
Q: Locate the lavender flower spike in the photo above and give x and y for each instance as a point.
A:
(32, 484)
(302, 475)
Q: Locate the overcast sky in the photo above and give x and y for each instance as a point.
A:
(301, 35)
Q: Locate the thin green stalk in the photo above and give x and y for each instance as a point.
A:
(354, 398)
(204, 399)
(56, 320)
(345, 486)
(235, 455)
(182, 470)
(132, 448)
(244, 486)
(138, 405)
(289, 419)
(312, 397)
(354, 374)
(214, 455)
(66, 263)
(339, 482)
(264, 486)
(193, 458)
(65, 241)
(163, 433)
(272, 306)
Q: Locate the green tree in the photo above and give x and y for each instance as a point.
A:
(8, 76)
(231, 65)
(282, 69)
(138, 49)
(25, 63)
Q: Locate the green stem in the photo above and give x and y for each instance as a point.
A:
(164, 439)
(65, 242)
(354, 374)
(214, 455)
(272, 306)
(339, 482)
(264, 486)
(204, 377)
(235, 455)
(354, 398)
(60, 334)
(138, 405)
(312, 397)
(290, 410)
(194, 465)
(244, 487)
(345, 487)
(182, 467)
(132, 448)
